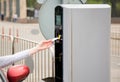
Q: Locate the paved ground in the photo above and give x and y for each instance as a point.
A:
(26, 31)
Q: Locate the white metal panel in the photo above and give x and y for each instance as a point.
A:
(86, 44)
(85, 6)
(67, 45)
(90, 45)
(73, 1)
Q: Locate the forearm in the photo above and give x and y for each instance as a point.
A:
(33, 50)
(41, 46)
(7, 60)
(10, 59)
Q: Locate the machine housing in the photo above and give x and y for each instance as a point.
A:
(83, 52)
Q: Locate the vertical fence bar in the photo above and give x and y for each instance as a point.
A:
(41, 65)
(30, 77)
(44, 63)
(48, 63)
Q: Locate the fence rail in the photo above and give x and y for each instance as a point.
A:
(41, 65)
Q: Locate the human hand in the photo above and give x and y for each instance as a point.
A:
(41, 46)
(44, 44)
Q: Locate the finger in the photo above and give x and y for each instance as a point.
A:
(54, 39)
(46, 41)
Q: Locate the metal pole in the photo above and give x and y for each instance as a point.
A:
(13, 41)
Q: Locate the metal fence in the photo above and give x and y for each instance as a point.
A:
(41, 65)
(115, 48)
(115, 55)
(115, 44)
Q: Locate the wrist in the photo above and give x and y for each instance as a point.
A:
(33, 50)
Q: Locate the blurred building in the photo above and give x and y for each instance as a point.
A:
(11, 7)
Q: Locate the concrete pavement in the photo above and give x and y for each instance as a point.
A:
(29, 31)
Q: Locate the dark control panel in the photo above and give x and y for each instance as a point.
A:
(59, 44)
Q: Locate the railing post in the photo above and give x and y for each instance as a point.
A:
(53, 61)
(53, 66)
(13, 42)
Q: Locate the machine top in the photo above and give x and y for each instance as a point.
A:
(85, 5)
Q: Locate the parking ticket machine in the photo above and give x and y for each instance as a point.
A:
(82, 52)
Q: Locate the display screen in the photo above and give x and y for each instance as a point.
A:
(58, 19)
